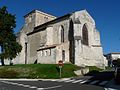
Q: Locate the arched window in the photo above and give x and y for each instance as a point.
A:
(61, 33)
(85, 35)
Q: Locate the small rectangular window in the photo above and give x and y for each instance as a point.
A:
(0, 50)
(46, 52)
(41, 53)
(49, 52)
(63, 55)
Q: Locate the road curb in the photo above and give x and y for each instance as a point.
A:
(24, 79)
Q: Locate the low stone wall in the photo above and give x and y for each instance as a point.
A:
(82, 71)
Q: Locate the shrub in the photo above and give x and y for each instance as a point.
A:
(116, 63)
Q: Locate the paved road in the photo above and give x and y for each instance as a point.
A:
(99, 81)
(64, 84)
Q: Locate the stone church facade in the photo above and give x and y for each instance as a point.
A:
(72, 38)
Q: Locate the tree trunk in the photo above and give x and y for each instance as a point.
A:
(2, 62)
(11, 63)
(2, 59)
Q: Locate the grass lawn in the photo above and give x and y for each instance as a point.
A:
(37, 71)
(94, 68)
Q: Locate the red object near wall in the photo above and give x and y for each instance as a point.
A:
(60, 63)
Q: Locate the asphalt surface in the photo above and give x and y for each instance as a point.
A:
(45, 85)
(98, 81)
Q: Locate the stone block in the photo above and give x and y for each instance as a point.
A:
(82, 71)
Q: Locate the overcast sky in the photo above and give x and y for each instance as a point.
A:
(106, 14)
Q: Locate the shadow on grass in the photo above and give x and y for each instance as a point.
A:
(58, 69)
(92, 73)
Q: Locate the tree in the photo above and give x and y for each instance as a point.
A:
(116, 62)
(9, 46)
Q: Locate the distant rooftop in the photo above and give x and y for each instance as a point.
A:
(114, 53)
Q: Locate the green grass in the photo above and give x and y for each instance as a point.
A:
(108, 68)
(94, 68)
(37, 71)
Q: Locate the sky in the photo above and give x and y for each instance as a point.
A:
(106, 14)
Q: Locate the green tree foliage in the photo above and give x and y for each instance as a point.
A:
(9, 47)
(116, 63)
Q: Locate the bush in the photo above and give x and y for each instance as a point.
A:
(116, 63)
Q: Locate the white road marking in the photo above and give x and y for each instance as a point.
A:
(77, 81)
(62, 80)
(105, 88)
(40, 89)
(28, 86)
(20, 79)
(110, 89)
(32, 87)
(18, 84)
(69, 80)
(94, 82)
(53, 80)
(84, 81)
(103, 83)
(53, 87)
(49, 79)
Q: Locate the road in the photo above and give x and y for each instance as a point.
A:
(98, 81)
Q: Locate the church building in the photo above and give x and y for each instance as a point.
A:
(72, 38)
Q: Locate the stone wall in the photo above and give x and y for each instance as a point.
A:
(20, 58)
(91, 54)
(32, 19)
(47, 56)
(42, 18)
(68, 44)
(34, 42)
(45, 38)
(36, 18)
